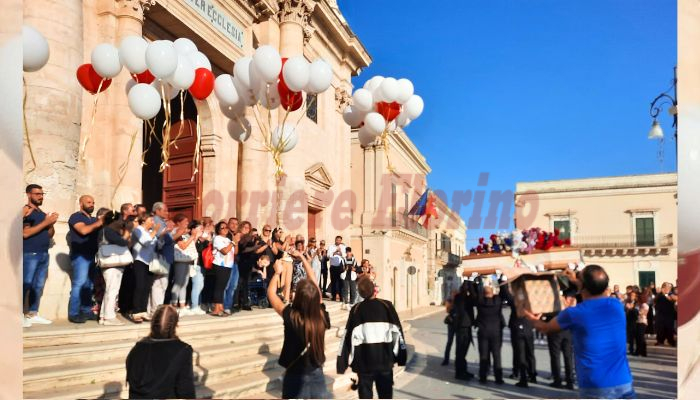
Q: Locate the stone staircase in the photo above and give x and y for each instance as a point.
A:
(234, 357)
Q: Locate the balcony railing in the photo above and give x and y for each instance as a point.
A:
(410, 224)
(621, 241)
(450, 259)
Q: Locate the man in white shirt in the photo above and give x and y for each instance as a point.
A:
(336, 252)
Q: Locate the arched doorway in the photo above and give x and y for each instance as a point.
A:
(176, 185)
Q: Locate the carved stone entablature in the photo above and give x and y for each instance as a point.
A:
(132, 8)
(342, 99)
(263, 9)
(298, 11)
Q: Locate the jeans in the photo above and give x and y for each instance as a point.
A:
(197, 286)
(625, 391)
(311, 385)
(230, 287)
(113, 281)
(384, 381)
(349, 291)
(35, 268)
(181, 276)
(80, 301)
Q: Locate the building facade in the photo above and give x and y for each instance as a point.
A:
(627, 224)
(407, 256)
(233, 179)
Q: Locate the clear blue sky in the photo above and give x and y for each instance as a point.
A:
(526, 90)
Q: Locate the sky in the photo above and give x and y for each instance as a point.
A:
(526, 90)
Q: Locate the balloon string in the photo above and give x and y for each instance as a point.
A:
(83, 149)
(182, 118)
(149, 137)
(307, 108)
(385, 145)
(165, 145)
(26, 130)
(197, 146)
(124, 168)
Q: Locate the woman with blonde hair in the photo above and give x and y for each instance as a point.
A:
(159, 366)
(305, 325)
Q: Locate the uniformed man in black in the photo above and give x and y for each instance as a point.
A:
(523, 339)
(490, 322)
(561, 342)
(463, 319)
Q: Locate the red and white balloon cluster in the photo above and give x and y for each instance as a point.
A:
(382, 105)
(160, 69)
(270, 81)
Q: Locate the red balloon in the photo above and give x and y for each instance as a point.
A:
(90, 80)
(203, 84)
(144, 77)
(389, 110)
(291, 101)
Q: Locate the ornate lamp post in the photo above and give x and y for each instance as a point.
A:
(665, 99)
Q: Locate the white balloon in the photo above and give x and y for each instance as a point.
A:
(35, 49)
(365, 136)
(414, 107)
(320, 76)
(362, 100)
(405, 90)
(256, 81)
(268, 63)
(132, 54)
(353, 117)
(170, 91)
(389, 90)
(233, 111)
(286, 137)
(246, 93)
(105, 60)
(402, 119)
(375, 123)
(269, 97)
(183, 77)
(239, 129)
(373, 83)
(161, 58)
(144, 101)
(296, 73)
(184, 46)
(241, 71)
(225, 90)
(199, 60)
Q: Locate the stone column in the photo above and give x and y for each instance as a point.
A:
(295, 30)
(115, 124)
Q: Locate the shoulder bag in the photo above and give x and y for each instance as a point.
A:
(112, 255)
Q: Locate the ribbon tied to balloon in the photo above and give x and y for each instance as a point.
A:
(380, 107)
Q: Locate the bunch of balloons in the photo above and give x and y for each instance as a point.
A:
(267, 80)
(160, 69)
(382, 105)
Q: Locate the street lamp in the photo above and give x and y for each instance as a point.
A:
(668, 99)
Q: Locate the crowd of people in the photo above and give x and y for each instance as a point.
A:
(131, 261)
(597, 324)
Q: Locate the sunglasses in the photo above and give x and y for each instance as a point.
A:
(267, 230)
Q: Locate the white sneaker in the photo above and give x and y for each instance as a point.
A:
(112, 322)
(197, 311)
(183, 312)
(36, 319)
(25, 322)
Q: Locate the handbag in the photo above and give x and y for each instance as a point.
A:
(158, 266)
(188, 255)
(112, 255)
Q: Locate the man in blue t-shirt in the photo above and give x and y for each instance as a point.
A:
(598, 328)
(83, 248)
(37, 231)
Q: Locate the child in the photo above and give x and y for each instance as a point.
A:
(349, 277)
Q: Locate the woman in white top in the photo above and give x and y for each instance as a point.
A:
(223, 251)
(144, 249)
(642, 323)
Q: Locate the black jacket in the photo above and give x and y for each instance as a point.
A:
(160, 369)
(373, 339)
(463, 308)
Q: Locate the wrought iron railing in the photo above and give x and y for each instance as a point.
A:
(622, 241)
(449, 258)
(410, 224)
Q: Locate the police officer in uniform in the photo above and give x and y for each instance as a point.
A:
(521, 332)
(561, 342)
(463, 307)
(490, 322)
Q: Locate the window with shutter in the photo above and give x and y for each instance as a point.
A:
(644, 231)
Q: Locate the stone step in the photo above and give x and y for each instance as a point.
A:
(118, 349)
(211, 364)
(64, 333)
(253, 375)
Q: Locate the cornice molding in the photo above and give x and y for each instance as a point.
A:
(125, 8)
